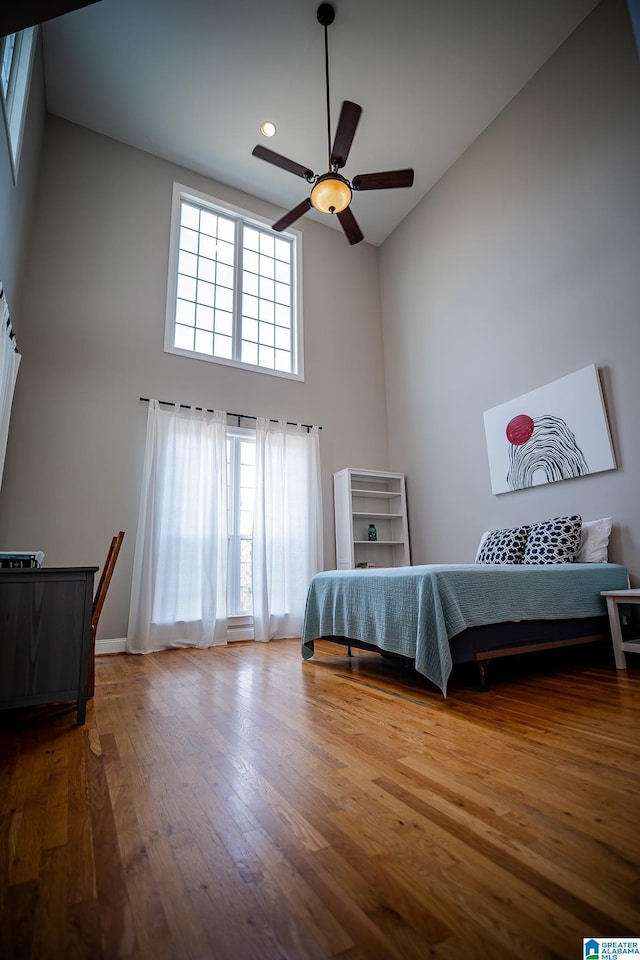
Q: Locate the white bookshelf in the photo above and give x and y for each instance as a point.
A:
(364, 497)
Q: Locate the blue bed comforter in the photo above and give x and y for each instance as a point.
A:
(414, 611)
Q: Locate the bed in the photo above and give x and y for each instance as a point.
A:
(440, 614)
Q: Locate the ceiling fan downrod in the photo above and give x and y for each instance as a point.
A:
(326, 15)
(332, 192)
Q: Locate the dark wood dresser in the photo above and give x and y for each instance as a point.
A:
(45, 627)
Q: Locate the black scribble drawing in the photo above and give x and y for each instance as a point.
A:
(543, 444)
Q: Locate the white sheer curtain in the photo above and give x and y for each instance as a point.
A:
(179, 588)
(287, 527)
(9, 363)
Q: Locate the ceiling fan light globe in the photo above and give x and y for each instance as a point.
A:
(331, 194)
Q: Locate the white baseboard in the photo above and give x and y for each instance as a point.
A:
(111, 646)
(119, 644)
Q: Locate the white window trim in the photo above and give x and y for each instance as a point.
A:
(15, 122)
(182, 192)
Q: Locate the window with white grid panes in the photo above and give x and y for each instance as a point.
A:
(232, 289)
(266, 299)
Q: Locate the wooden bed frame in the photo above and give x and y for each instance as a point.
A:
(482, 644)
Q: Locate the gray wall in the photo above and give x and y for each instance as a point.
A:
(519, 267)
(17, 199)
(92, 342)
(522, 265)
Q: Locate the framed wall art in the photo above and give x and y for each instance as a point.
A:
(556, 432)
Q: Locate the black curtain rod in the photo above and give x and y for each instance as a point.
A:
(240, 416)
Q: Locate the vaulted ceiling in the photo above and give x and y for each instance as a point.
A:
(191, 81)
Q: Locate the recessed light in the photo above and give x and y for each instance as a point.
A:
(267, 128)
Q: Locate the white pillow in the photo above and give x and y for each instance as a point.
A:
(594, 541)
(481, 544)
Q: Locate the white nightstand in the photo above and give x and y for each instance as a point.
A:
(614, 598)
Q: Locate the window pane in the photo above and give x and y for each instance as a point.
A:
(184, 337)
(251, 238)
(185, 312)
(207, 247)
(248, 452)
(250, 283)
(204, 317)
(206, 270)
(247, 475)
(283, 272)
(224, 275)
(226, 230)
(267, 288)
(187, 264)
(251, 261)
(283, 338)
(186, 288)
(240, 473)
(223, 347)
(189, 216)
(246, 499)
(250, 353)
(249, 306)
(267, 266)
(204, 342)
(225, 252)
(208, 223)
(266, 311)
(224, 298)
(283, 315)
(267, 334)
(266, 357)
(250, 329)
(283, 293)
(283, 360)
(246, 598)
(266, 244)
(283, 250)
(189, 240)
(205, 293)
(224, 323)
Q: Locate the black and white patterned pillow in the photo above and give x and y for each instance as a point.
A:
(553, 541)
(504, 546)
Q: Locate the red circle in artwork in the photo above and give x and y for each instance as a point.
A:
(519, 429)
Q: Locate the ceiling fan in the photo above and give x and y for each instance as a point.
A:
(331, 192)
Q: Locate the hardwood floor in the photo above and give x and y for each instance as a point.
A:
(238, 803)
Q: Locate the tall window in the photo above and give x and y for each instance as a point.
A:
(210, 491)
(16, 59)
(241, 474)
(233, 293)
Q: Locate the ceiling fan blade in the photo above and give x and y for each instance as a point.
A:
(350, 226)
(349, 116)
(294, 214)
(279, 161)
(384, 180)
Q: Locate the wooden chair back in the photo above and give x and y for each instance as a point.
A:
(98, 603)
